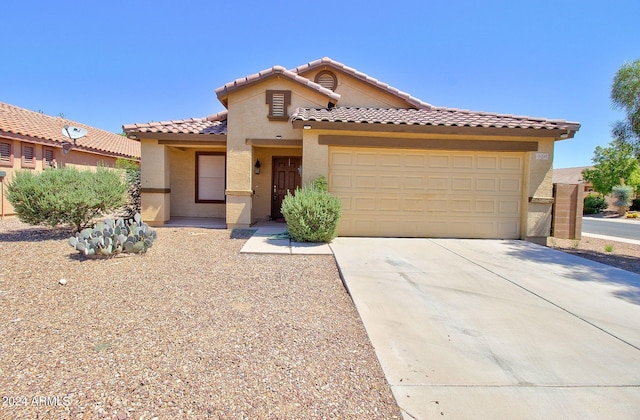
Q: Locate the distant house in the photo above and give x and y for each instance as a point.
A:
(572, 176)
(400, 166)
(33, 141)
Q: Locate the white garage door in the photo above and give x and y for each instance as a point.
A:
(415, 193)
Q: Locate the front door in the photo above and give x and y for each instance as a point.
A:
(286, 177)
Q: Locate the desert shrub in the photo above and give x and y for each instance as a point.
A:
(320, 183)
(594, 204)
(111, 237)
(132, 178)
(312, 214)
(65, 196)
(635, 204)
(622, 195)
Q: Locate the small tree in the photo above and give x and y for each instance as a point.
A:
(622, 196)
(65, 196)
(611, 164)
(625, 95)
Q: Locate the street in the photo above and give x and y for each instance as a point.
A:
(628, 230)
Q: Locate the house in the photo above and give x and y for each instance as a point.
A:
(33, 141)
(572, 176)
(400, 166)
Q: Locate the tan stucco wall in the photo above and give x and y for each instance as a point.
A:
(183, 178)
(540, 193)
(155, 168)
(78, 159)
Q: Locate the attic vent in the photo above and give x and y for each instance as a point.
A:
(326, 79)
(279, 101)
(278, 105)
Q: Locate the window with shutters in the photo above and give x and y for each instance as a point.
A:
(210, 177)
(326, 79)
(278, 101)
(28, 156)
(6, 154)
(48, 157)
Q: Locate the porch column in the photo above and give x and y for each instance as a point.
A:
(155, 184)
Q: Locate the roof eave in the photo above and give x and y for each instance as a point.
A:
(223, 92)
(145, 135)
(555, 134)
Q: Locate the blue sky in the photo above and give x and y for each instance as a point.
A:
(117, 62)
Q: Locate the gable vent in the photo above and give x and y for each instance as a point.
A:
(326, 79)
(278, 105)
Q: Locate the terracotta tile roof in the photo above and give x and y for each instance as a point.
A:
(214, 124)
(223, 91)
(449, 117)
(326, 61)
(44, 127)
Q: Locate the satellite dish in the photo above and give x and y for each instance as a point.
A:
(73, 133)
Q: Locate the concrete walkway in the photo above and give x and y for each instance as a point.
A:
(497, 329)
(272, 238)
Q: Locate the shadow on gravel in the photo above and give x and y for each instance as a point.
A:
(605, 272)
(36, 234)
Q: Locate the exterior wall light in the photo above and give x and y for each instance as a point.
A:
(257, 166)
(307, 126)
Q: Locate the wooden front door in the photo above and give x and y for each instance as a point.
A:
(286, 177)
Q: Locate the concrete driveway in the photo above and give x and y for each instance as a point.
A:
(497, 329)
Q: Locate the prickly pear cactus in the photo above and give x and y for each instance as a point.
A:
(109, 238)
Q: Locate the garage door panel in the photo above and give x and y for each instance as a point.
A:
(427, 193)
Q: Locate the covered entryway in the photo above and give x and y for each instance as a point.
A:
(286, 178)
(424, 193)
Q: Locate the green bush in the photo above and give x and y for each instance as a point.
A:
(65, 196)
(622, 195)
(312, 214)
(594, 204)
(132, 177)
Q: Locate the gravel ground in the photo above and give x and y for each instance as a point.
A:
(192, 329)
(618, 254)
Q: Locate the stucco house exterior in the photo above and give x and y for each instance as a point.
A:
(34, 141)
(400, 166)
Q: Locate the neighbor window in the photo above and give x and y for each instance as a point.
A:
(28, 156)
(210, 177)
(48, 157)
(6, 154)
(279, 101)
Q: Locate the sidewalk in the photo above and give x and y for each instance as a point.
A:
(272, 238)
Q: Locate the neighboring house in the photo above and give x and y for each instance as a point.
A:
(33, 141)
(400, 166)
(572, 176)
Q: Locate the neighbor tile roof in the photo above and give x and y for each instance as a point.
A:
(326, 61)
(213, 124)
(44, 127)
(223, 91)
(433, 116)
